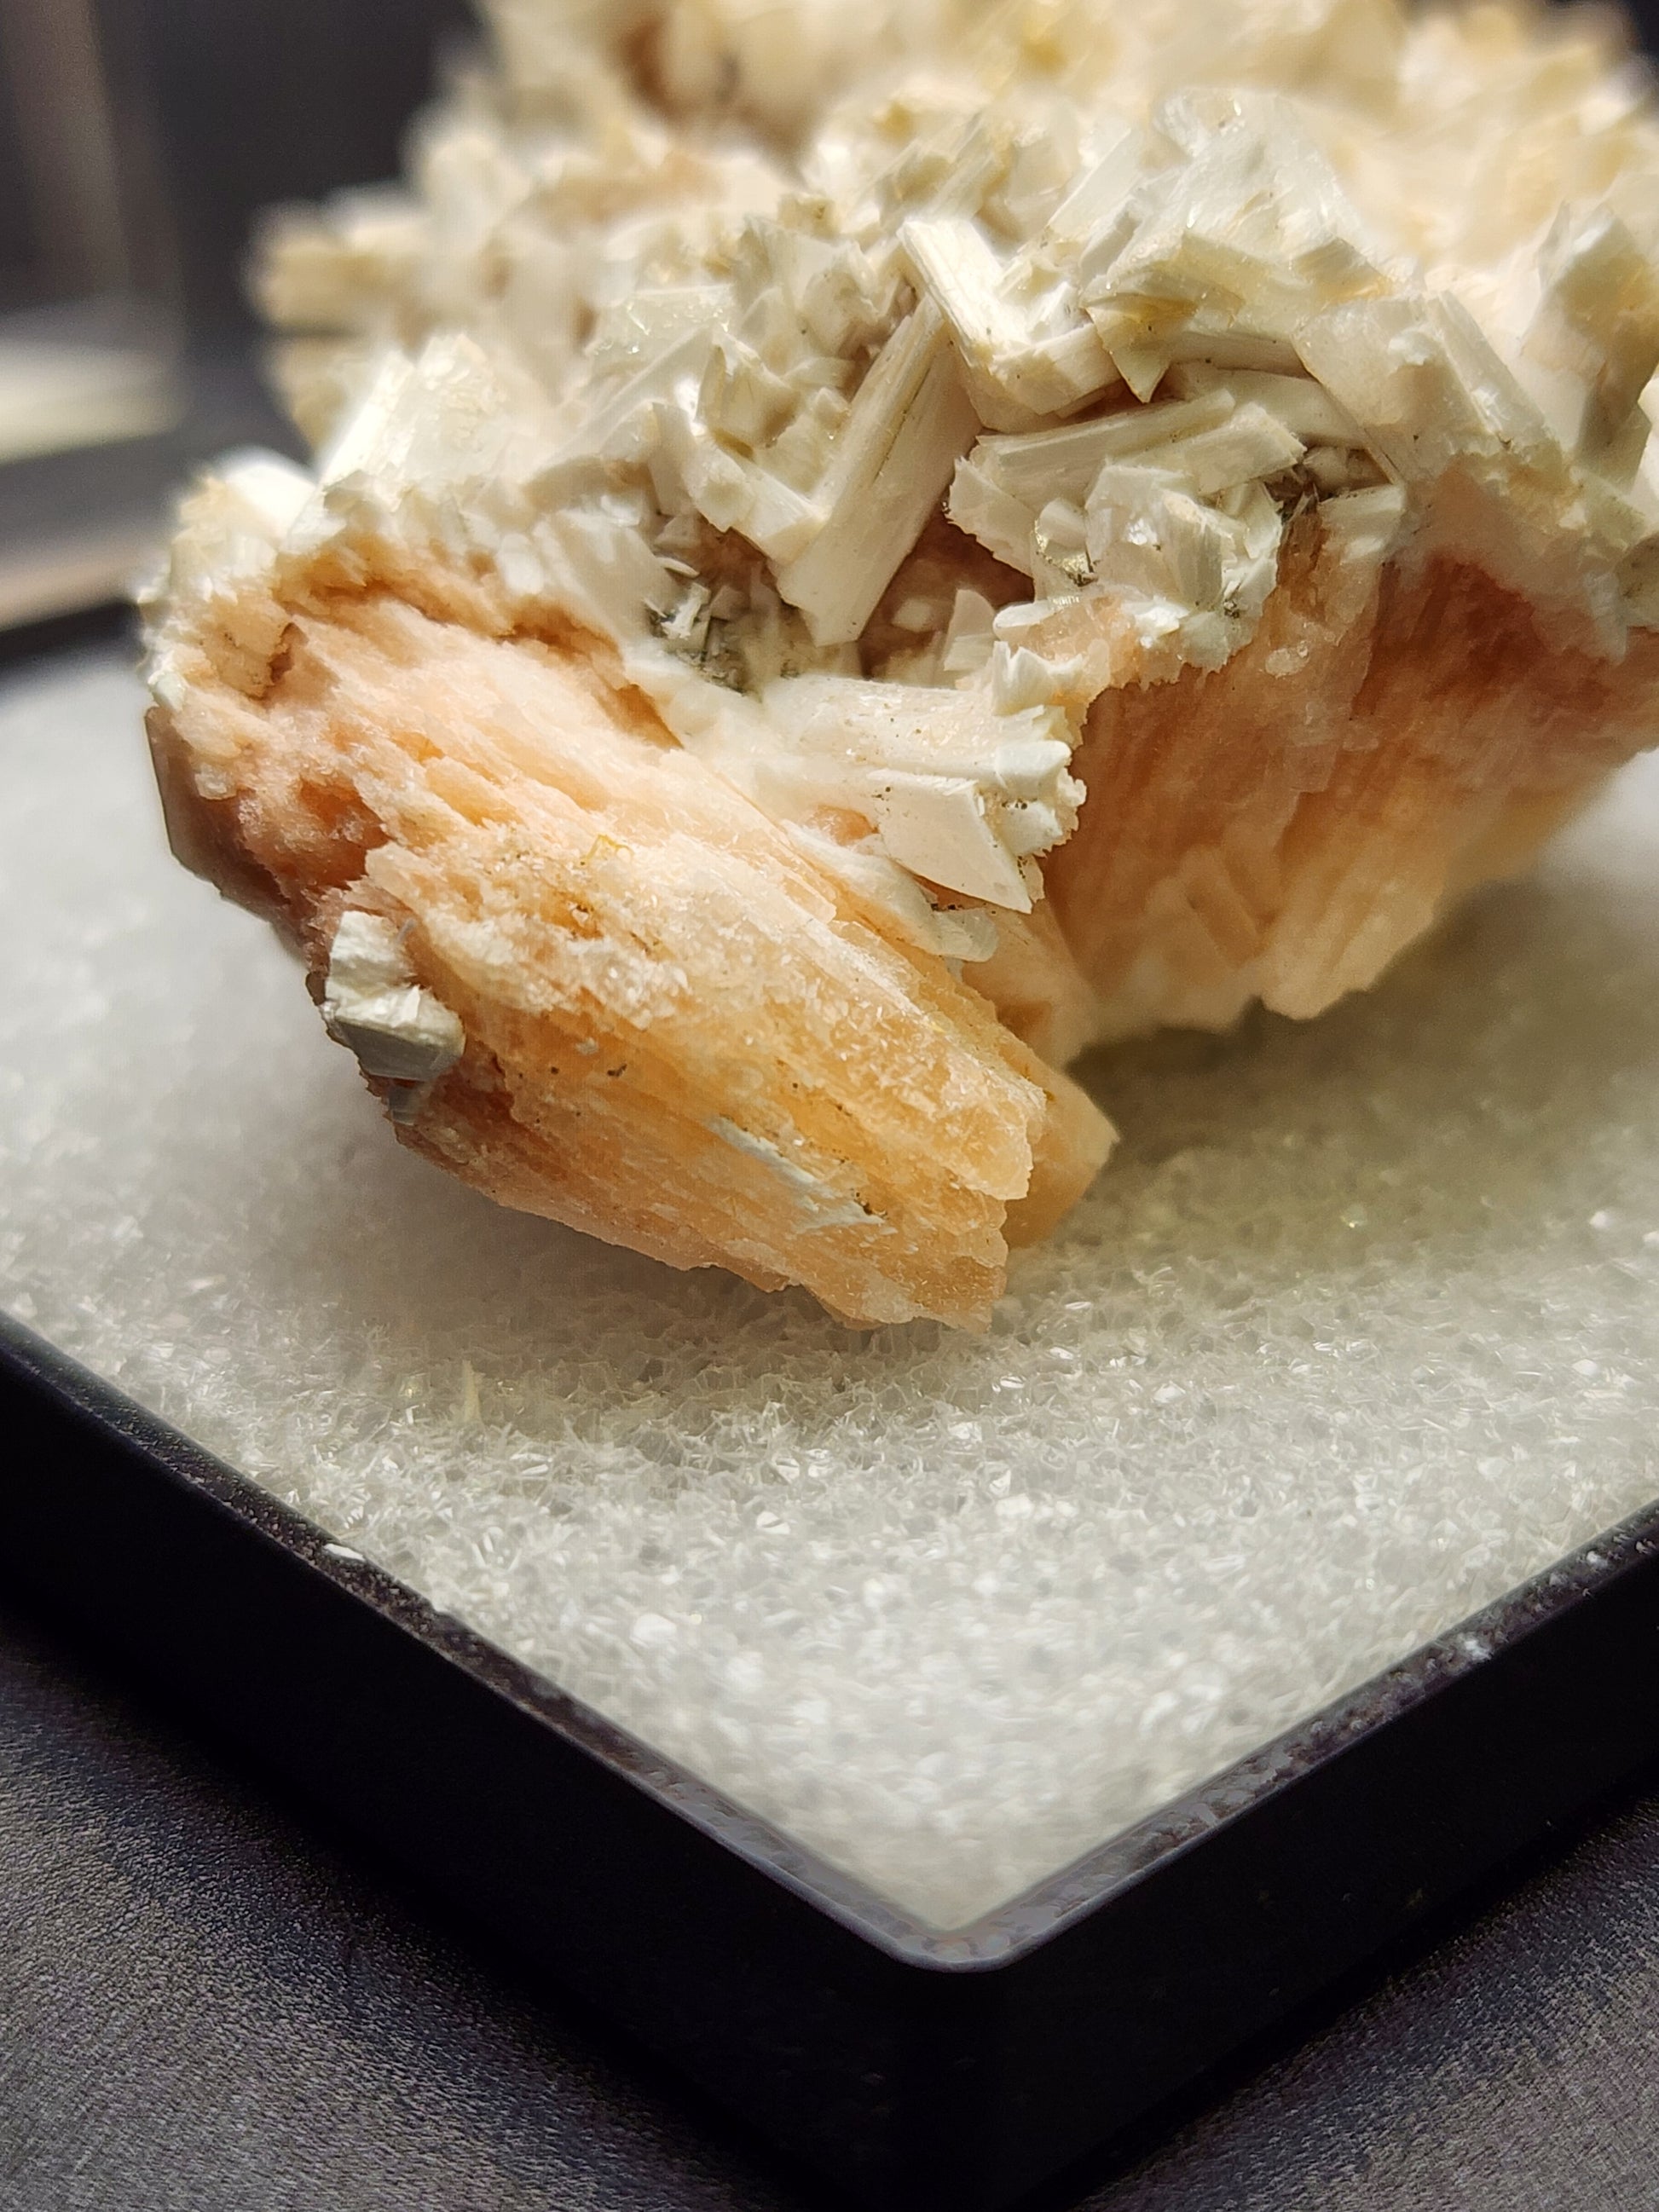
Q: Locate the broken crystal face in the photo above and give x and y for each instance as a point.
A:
(1025, 452)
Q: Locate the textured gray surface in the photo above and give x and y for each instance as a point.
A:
(206, 2008)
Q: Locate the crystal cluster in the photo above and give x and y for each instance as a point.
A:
(1130, 509)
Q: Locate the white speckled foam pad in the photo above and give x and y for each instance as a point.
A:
(1358, 1331)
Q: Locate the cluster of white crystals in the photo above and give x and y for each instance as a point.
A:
(698, 310)
(1358, 1334)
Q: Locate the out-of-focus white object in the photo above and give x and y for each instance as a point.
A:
(56, 396)
(88, 396)
(88, 350)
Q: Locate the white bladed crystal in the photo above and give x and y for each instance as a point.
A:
(1593, 342)
(908, 426)
(373, 1003)
(960, 785)
(1255, 222)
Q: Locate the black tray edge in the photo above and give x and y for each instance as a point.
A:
(177, 1459)
(919, 2066)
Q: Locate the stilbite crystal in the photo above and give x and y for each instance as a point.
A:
(1285, 373)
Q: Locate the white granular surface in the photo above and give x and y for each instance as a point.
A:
(1356, 1332)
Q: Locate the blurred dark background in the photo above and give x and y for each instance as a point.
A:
(138, 138)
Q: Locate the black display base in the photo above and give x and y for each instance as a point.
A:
(915, 2068)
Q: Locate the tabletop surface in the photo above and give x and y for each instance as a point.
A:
(209, 2002)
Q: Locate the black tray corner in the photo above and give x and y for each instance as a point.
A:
(915, 2067)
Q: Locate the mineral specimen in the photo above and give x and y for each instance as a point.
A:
(856, 550)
